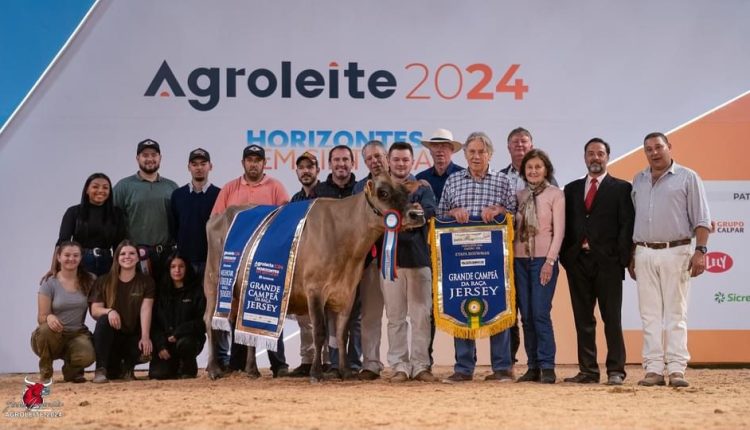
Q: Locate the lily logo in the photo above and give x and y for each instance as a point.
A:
(720, 297)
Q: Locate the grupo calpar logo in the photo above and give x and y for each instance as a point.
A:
(721, 298)
(33, 402)
(718, 262)
(204, 87)
(730, 227)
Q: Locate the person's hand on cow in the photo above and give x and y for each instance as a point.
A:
(490, 212)
(164, 354)
(461, 215)
(54, 323)
(114, 319)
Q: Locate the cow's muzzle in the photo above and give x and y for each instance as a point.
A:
(414, 218)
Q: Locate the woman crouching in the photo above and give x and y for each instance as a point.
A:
(62, 310)
(179, 331)
(121, 303)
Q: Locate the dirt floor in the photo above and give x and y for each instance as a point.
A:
(716, 399)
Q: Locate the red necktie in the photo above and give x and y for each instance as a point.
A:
(590, 195)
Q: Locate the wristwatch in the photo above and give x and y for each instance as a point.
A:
(702, 249)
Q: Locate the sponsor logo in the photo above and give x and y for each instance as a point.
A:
(730, 227)
(722, 298)
(718, 262)
(329, 138)
(741, 196)
(33, 402)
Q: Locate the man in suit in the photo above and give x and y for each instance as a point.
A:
(596, 250)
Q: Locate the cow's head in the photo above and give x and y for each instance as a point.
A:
(33, 395)
(384, 194)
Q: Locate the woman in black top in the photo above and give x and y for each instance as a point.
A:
(95, 223)
(178, 329)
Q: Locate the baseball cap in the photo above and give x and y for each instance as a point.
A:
(254, 150)
(148, 144)
(199, 153)
(307, 155)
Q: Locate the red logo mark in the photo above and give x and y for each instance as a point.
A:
(33, 395)
(717, 262)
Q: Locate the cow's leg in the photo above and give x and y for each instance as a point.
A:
(212, 367)
(342, 333)
(251, 366)
(317, 314)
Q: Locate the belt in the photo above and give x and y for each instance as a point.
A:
(160, 248)
(664, 245)
(99, 252)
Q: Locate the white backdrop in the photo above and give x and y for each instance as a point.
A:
(593, 68)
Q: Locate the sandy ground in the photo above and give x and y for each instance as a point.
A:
(716, 399)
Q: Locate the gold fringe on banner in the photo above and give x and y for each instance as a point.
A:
(501, 323)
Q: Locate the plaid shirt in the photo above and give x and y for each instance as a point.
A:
(463, 191)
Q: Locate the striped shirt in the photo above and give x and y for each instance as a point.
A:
(464, 191)
(671, 208)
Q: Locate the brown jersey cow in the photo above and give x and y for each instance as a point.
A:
(338, 235)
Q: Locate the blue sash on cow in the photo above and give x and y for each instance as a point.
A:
(238, 237)
(267, 277)
(472, 277)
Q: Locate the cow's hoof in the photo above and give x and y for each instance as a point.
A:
(253, 374)
(314, 380)
(347, 374)
(214, 372)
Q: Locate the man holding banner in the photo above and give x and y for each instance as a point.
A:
(254, 187)
(409, 293)
(479, 192)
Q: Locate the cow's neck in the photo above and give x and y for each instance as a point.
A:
(371, 229)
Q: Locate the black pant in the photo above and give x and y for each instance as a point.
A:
(182, 359)
(115, 350)
(592, 281)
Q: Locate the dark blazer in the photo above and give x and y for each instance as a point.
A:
(609, 226)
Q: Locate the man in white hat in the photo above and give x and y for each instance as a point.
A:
(442, 147)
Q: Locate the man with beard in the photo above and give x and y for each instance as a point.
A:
(191, 207)
(410, 294)
(338, 185)
(254, 188)
(369, 291)
(307, 175)
(595, 252)
(145, 197)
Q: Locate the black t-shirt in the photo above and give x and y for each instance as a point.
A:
(96, 231)
(128, 299)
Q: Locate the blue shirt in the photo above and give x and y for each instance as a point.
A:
(437, 182)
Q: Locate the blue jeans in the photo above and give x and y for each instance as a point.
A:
(535, 303)
(466, 353)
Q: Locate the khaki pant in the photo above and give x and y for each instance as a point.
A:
(75, 349)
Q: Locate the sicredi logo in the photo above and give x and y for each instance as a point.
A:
(722, 298)
(717, 262)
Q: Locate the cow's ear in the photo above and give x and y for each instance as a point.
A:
(370, 187)
(412, 186)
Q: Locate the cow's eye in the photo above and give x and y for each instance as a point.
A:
(383, 195)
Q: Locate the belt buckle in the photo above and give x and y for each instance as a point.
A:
(96, 252)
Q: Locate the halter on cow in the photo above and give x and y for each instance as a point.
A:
(338, 235)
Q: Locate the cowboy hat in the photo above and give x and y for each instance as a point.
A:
(442, 135)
